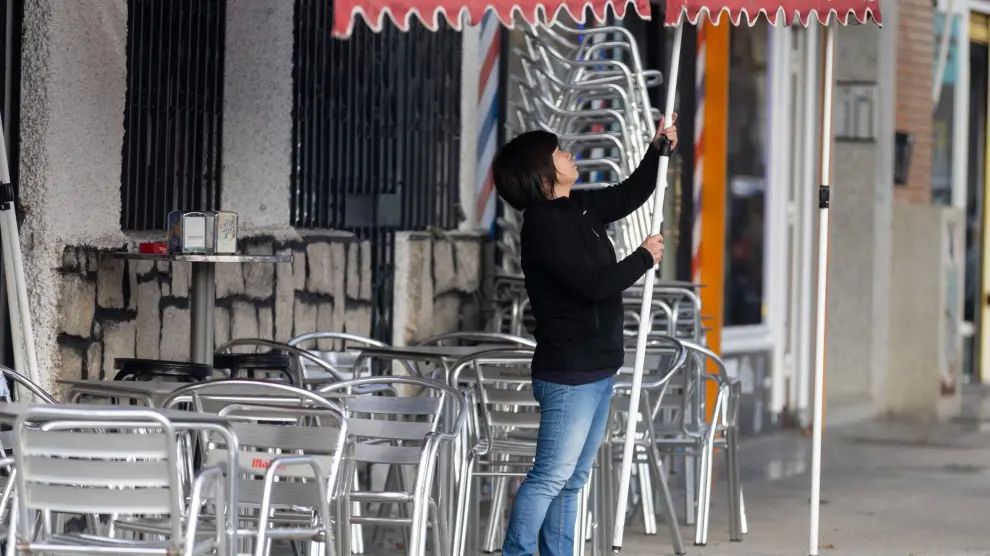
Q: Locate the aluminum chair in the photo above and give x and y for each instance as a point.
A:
(119, 461)
(679, 431)
(341, 356)
(290, 446)
(10, 377)
(405, 434)
(502, 441)
(665, 360)
(296, 372)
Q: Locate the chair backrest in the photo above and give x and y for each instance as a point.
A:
(272, 420)
(503, 396)
(8, 374)
(340, 350)
(474, 338)
(109, 461)
(215, 395)
(395, 429)
(294, 353)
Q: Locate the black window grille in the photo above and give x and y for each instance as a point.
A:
(173, 115)
(376, 135)
(11, 18)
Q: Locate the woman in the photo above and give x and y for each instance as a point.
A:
(575, 289)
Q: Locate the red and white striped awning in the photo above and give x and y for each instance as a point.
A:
(429, 12)
(776, 12)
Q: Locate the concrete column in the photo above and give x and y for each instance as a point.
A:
(73, 88)
(860, 205)
(257, 112)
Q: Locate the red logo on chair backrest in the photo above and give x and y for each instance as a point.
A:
(258, 463)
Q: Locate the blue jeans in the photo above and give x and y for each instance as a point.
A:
(572, 424)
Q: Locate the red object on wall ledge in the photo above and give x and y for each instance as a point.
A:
(153, 248)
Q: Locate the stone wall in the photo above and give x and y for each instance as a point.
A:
(112, 308)
(437, 284)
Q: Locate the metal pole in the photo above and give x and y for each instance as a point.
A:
(823, 203)
(644, 318)
(202, 302)
(943, 53)
(22, 330)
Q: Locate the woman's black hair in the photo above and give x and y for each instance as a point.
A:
(524, 171)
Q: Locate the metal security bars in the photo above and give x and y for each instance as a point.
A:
(173, 115)
(376, 135)
(376, 125)
(11, 18)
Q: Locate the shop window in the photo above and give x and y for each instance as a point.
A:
(746, 167)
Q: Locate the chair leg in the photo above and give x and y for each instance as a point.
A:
(461, 519)
(690, 478)
(732, 465)
(704, 495)
(435, 519)
(742, 512)
(646, 495)
(668, 501)
(582, 523)
(344, 529)
(499, 495)
(12, 526)
(357, 531)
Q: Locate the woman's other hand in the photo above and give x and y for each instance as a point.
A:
(668, 131)
(654, 244)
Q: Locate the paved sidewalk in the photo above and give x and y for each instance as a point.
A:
(887, 489)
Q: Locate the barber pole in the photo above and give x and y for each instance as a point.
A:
(699, 156)
(491, 45)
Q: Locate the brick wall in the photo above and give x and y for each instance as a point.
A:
(914, 95)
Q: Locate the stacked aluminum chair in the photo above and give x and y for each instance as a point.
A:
(588, 87)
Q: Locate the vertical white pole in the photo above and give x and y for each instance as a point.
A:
(805, 219)
(644, 318)
(816, 446)
(20, 362)
(22, 332)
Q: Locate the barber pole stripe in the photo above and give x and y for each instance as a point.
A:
(699, 152)
(487, 114)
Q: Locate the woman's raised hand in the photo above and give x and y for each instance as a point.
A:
(654, 244)
(668, 131)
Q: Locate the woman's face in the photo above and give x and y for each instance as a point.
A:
(567, 172)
